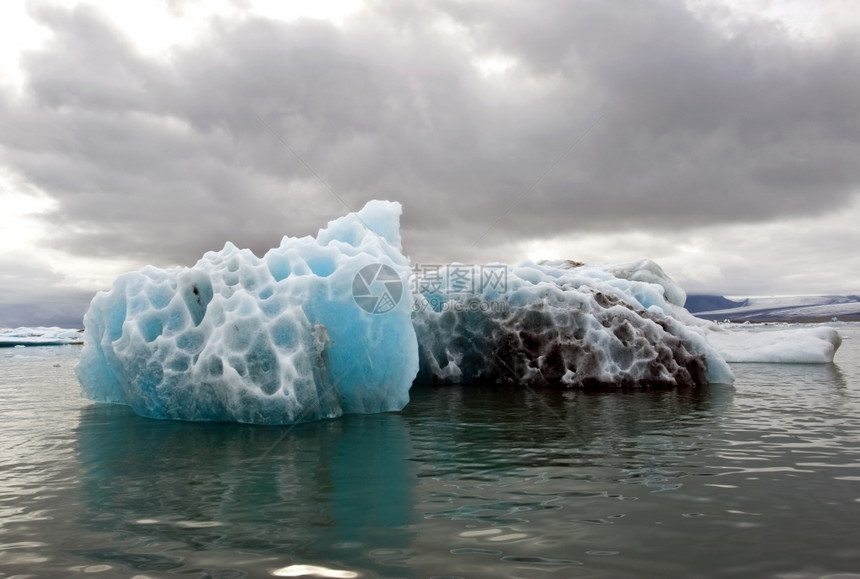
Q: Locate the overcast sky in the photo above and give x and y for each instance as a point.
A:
(719, 138)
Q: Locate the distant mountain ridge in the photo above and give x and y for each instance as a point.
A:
(707, 303)
(772, 309)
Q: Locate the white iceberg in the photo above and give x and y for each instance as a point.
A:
(792, 346)
(39, 336)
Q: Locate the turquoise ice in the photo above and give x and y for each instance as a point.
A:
(272, 340)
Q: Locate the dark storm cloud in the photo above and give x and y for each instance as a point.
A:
(621, 115)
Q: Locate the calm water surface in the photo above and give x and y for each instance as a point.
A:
(759, 479)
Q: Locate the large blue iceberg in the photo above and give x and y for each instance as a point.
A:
(313, 329)
(343, 323)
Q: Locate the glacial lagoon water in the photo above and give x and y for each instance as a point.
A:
(758, 479)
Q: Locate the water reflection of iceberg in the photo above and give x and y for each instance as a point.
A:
(830, 375)
(487, 432)
(173, 495)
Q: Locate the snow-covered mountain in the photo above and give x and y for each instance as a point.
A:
(782, 308)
